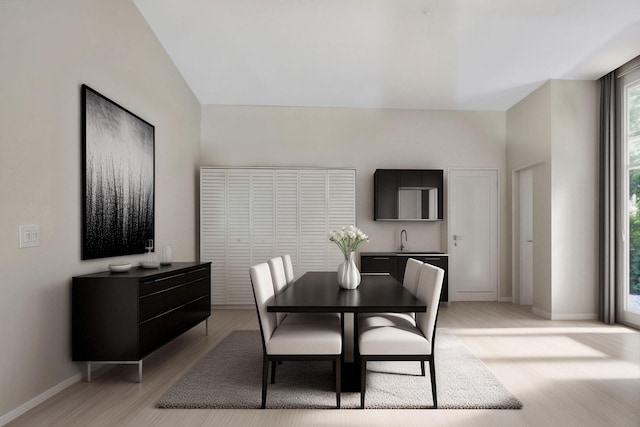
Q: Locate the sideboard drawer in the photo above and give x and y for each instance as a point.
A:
(159, 330)
(159, 302)
(155, 285)
(200, 273)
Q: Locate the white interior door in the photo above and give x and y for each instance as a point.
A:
(526, 236)
(473, 234)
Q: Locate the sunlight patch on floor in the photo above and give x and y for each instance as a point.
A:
(546, 331)
(542, 347)
(567, 349)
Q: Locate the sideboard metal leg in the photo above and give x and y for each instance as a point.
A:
(139, 371)
(88, 372)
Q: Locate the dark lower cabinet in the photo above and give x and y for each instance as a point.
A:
(395, 265)
(380, 264)
(123, 317)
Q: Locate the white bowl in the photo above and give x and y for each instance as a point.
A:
(150, 264)
(120, 267)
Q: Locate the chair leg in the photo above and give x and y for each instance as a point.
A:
(422, 367)
(363, 381)
(265, 374)
(337, 367)
(432, 371)
(273, 371)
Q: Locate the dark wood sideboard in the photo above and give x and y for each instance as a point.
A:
(121, 318)
(394, 264)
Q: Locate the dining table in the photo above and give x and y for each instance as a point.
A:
(319, 292)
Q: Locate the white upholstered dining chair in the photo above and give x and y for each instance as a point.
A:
(410, 283)
(288, 268)
(312, 341)
(412, 275)
(404, 342)
(278, 277)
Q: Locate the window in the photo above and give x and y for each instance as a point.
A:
(628, 87)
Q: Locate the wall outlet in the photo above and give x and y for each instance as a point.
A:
(28, 236)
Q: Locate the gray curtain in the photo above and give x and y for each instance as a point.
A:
(608, 176)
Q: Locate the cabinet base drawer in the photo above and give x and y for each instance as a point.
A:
(156, 304)
(151, 286)
(160, 330)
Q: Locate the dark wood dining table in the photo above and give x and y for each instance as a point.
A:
(319, 292)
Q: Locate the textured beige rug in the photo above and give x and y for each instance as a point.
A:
(230, 377)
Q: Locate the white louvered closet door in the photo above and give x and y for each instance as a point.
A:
(341, 209)
(287, 216)
(249, 215)
(213, 229)
(313, 231)
(239, 238)
(263, 226)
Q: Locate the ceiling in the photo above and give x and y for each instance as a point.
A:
(416, 54)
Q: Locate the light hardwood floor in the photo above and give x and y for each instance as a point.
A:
(567, 373)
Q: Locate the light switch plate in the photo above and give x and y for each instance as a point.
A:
(28, 236)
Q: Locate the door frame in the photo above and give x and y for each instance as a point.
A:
(452, 283)
(515, 229)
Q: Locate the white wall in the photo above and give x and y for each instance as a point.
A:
(529, 143)
(574, 177)
(47, 50)
(366, 139)
(556, 128)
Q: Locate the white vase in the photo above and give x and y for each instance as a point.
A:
(348, 274)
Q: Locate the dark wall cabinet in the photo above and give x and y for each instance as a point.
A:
(395, 264)
(126, 316)
(408, 194)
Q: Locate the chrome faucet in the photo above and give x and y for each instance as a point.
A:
(405, 239)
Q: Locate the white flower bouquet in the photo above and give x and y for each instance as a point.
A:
(348, 239)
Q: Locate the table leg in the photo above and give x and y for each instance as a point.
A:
(350, 368)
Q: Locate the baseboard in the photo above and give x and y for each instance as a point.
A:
(584, 316)
(27, 406)
(551, 316)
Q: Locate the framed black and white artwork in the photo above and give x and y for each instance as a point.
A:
(118, 178)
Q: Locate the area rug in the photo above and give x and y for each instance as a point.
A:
(229, 376)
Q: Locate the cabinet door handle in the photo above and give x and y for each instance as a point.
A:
(381, 257)
(432, 259)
